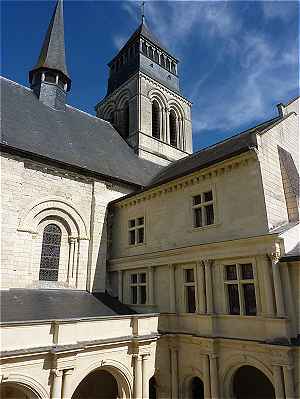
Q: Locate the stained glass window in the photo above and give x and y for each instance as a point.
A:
(50, 253)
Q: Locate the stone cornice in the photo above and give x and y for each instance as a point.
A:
(248, 247)
(192, 179)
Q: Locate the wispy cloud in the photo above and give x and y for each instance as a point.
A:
(119, 41)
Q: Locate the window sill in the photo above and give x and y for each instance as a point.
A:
(209, 226)
(143, 244)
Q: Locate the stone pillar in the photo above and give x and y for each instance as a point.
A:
(201, 288)
(270, 308)
(274, 257)
(151, 300)
(66, 387)
(120, 285)
(172, 289)
(289, 382)
(167, 113)
(56, 384)
(206, 375)
(208, 286)
(279, 392)
(174, 373)
(138, 377)
(145, 377)
(214, 380)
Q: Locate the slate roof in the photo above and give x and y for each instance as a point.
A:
(18, 305)
(52, 54)
(293, 255)
(72, 137)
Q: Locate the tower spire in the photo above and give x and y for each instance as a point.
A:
(51, 65)
(143, 12)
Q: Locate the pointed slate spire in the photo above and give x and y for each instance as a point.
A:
(52, 55)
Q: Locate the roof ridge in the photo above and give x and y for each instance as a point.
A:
(15, 83)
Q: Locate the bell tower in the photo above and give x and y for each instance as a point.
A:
(144, 102)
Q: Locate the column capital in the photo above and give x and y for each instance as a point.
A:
(207, 262)
(275, 254)
(57, 372)
(72, 239)
(68, 371)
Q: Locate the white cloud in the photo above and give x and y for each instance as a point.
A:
(119, 41)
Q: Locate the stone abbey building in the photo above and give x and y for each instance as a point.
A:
(132, 267)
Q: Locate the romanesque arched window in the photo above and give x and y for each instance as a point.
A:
(156, 56)
(50, 253)
(155, 119)
(173, 128)
(126, 120)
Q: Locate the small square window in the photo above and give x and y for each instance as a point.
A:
(136, 231)
(203, 208)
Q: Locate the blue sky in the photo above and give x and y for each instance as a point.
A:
(238, 58)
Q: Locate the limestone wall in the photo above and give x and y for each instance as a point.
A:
(34, 195)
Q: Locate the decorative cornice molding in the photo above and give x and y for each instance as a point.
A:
(192, 179)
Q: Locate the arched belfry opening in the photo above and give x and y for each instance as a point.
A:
(173, 128)
(155, 120)
(251, 383)
(100, 384)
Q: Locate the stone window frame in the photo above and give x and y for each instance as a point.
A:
(187, 284)
(135, 228)
(45, 269)
(240, 282)
(138, 285)
(202, 205)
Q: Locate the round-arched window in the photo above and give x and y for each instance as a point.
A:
(173, 128)
(49, 264)
(155, 119)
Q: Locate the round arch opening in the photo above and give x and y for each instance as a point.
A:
(196, 388)
(99, 384)
(10, 390)
(251, 383)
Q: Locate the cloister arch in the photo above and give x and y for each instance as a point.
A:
(121, 375)
(189, 386)
(18, 386)
(231, 366)
(251, 383)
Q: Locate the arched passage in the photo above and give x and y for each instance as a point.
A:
(196, 388)
(10, 390)
(251, 383)
(100, 384)
(152, 388)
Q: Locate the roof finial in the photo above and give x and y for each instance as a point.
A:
(143, 11)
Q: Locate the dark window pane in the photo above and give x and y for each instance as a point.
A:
(133, 294)
(233, 299)
(144, 48)
(197, 199)
(156, 57)
(132, 223)
(247, 271)
(155, 120)
(132, 237)
(189, 275)
(250, 301)
(209, 214)
(231, 272)
(208, 196)
(142, 277)
(143, 294)
(50, 253)
(133, 279)
(173, 128)
(140, 221)
(198, 217)
(191, 301)
(140, 233)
